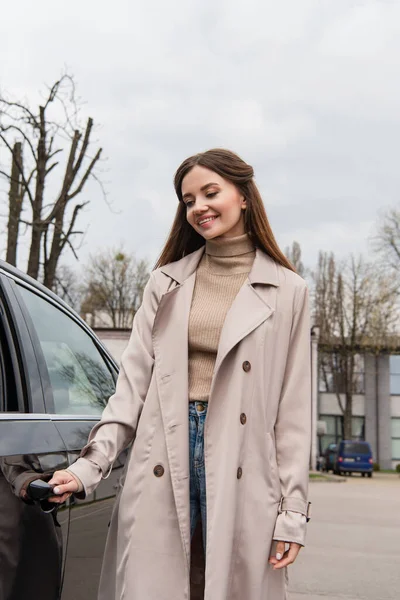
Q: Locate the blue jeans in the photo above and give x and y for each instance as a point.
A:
(198, 504)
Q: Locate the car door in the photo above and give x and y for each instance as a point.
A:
(78, 377)
(33, 537)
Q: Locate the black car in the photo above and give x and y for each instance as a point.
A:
(329, 457)
(55, 379)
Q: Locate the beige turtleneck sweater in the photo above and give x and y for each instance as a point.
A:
(222, 271)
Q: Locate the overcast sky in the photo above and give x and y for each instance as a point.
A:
(307, 91)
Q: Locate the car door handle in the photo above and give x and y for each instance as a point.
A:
(39, 490)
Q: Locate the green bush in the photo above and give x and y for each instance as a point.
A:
(376, 467)
(398, 468)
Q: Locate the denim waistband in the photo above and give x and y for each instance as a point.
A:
(198, 408)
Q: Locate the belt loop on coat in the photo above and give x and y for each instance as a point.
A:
(295, 505)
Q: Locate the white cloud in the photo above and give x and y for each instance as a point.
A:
(306, 91)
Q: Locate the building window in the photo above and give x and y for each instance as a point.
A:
(334, 430)
(332, 380)
(396, 438)
(395, 374)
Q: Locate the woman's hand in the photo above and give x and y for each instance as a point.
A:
(65, 485)
(282, 558)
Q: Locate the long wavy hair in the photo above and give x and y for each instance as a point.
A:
(183, 239)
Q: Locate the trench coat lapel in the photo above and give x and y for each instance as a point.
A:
(247, 312)
(250, 307)
(170, 336)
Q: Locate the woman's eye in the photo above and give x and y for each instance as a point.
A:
(189, 202)
(212, 194)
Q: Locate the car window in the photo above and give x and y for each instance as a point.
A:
(80, 378)
(8, 389)
(354, 448)
(8, 393)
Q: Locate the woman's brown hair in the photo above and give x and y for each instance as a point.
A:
(183, 239)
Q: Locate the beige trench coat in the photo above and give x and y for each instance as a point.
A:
(262, 370)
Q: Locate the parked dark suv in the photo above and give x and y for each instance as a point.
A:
(353, 457)
(55, 379)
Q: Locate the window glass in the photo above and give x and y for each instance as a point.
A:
(395, 364)
(396, 427)
(396, 449)
(359, 363)
(325, 380)
(355, 448)
(80, 378)
(358, 383)
(326, 440)
(395, 384)
(330, 425)
(357, 427)
(8, 390)
(332, 377)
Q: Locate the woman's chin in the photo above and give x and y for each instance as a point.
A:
(209, 234)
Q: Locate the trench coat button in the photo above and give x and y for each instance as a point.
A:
(158, 470)
(243, 418)
(239, 473)
(246, 366)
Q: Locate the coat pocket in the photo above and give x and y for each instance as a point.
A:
(273, 467)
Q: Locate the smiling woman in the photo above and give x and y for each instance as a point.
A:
(214, 205)
(218, 183)
(214, 393)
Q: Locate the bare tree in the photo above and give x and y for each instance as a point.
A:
(114, 287)
(15, 204)
(294, 255)
(68, 286)
(386, 241)
(355, 308)
(43, 135)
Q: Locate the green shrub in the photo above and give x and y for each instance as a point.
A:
(398, 468)
(376, 467)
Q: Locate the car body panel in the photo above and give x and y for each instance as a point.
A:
(33, 542)
(57, 554)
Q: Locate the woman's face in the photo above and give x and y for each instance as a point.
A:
(207, 194)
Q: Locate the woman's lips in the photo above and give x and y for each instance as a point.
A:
(208, 223)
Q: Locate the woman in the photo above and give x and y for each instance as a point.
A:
(214, 392)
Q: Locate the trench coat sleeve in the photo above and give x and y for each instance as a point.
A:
(17, 475)
(293, 427)
(117, 426)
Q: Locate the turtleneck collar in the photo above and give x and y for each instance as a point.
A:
(229, 246)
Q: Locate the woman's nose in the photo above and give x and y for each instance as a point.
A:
(200, 208)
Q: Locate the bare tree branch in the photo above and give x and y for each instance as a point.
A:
(31, 117)
(26, 139)
(86, 176)
(20, 169)
(46, 137)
